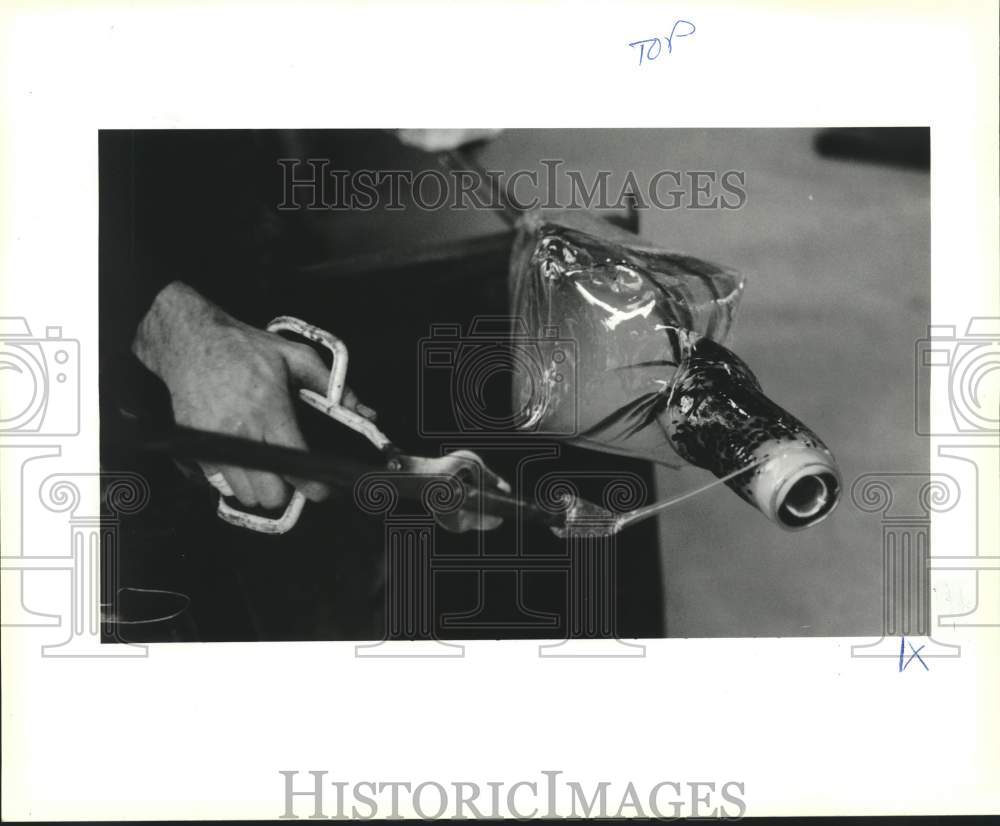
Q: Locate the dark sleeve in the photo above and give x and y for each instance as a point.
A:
(174, 205)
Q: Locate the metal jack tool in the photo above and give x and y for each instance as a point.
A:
(461, 463)
(478, 486)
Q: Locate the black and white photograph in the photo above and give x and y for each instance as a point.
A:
(499, 411)
(472, 384)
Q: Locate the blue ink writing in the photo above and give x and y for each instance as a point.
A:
(916, 653)
(652, 47)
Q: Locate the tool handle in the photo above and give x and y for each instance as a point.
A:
(328, 403)
(341, 471)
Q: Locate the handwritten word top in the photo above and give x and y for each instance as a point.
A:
(652, 47)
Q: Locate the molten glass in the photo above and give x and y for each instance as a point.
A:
(632, 361)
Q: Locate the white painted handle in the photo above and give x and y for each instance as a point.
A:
(328, 404)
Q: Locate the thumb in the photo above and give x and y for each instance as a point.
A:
(306, 367)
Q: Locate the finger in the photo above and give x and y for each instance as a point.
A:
(270, 490)
(217, 480)
(493, 480)
(313, 491)
(307, 368)
(350, 400)
(469, 468)
(283, 430)
(475, 521)
(310, 371)
(475, 469)
(240, 484)
(488, 523)
(468, 520)
(485, 478)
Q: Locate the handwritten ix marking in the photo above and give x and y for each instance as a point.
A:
(681, 28)
(916, 653)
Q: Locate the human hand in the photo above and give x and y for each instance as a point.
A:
(227, 377)
(468, 469)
